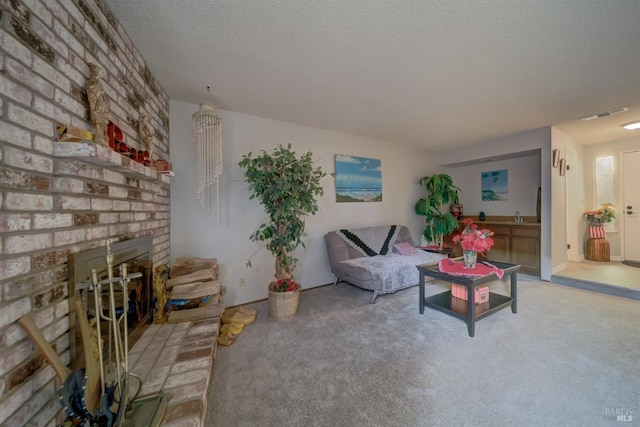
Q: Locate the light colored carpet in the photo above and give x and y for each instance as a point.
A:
(568, 357)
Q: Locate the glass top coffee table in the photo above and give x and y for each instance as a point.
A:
(468, 311)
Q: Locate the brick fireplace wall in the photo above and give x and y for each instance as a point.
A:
(59, 198)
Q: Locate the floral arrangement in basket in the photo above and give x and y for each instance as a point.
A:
(284, 283)
(604, 214)
(474, 239)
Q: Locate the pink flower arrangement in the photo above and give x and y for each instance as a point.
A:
(284, 283)
(474, 239)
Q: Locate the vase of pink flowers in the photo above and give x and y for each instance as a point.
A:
(473, 240)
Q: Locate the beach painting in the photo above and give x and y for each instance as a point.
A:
(358, 179)
(495, 186)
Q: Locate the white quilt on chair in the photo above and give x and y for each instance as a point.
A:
(394, 272)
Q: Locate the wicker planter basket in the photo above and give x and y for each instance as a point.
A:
(283, 305)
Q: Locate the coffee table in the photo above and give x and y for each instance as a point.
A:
(468, 311)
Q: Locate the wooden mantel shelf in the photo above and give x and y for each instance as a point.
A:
(105, 157)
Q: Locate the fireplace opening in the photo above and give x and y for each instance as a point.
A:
(138, 255)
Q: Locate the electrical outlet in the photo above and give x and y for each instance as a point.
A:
(242, 281)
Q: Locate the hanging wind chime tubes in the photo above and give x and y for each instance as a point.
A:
(207, 135)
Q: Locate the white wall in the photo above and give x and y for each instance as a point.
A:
(195, 233)
(615, 149)
(523, 180)
(568, 203)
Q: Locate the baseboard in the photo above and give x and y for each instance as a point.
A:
(557, 268)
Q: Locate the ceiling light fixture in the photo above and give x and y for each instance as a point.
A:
(632, 126)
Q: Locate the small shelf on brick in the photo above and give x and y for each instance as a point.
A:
(105, 157)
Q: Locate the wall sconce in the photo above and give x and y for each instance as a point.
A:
(207, 135)
(556, 157)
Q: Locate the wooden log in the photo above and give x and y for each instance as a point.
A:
(196, 276)
(195, 290)
(193, 314)
(186, 265)
(195, 260)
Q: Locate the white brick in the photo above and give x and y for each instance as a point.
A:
(48, 72)
(29, 78)
(57, 329)
(37, 8)
(42, 144)
(30, 408)
(118, 192)
(14, 401)
(15, 91)
(14, 267)
(28, 202)
(51, 110)
(97, 233)
(119, 205)
(126, 217)
(101, 204)
(9, 313)
(27, 243)
(14, 135)
(30, 120)
(69, 237)
(62, 309)
(76, 168)
(44, 317)
(133, 228)
(118, 229)
(71, 104)
(113, 177)
(51, 39)
(70, 39)
(62, 343)
(137, 206)
(73, 203)
(108, 218)
(15, 48)
(68, 185)
(48, 412)
(26, 160)
(13, 334)
(14, 222)
(52, 220)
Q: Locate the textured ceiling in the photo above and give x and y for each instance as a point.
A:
(433, 73)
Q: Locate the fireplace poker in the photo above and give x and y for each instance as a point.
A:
(96, 288)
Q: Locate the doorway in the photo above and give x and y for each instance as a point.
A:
(630, 209)
(574, 201)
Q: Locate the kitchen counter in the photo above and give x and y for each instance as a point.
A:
(490, 222)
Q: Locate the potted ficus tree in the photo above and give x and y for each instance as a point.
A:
(287, 186)
(440, 191)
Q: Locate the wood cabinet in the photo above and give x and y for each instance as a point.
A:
(512, 243)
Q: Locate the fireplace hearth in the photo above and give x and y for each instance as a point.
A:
(138, 254)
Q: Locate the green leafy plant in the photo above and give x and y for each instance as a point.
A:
(287, 187)
(440, 191)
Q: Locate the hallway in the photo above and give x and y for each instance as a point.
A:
(614, 278)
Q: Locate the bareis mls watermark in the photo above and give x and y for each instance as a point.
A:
(620, 414)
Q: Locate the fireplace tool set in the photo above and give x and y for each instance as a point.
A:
(89, 394)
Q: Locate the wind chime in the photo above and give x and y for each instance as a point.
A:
(207, 135)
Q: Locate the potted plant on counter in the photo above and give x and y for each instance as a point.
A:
(287, 186)
(440, 191)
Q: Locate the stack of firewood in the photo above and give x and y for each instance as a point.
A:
(193, 290)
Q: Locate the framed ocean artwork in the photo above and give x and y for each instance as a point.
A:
(495, 185)
(358, 179)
